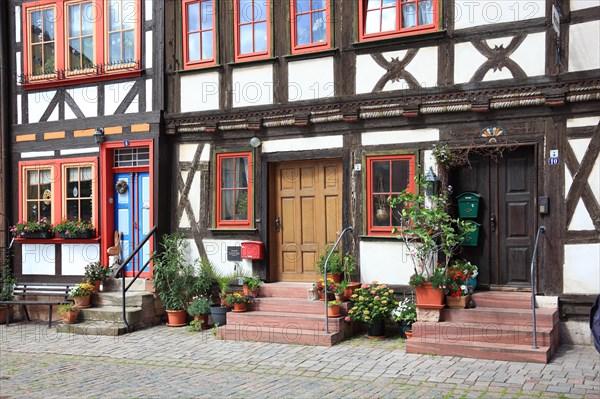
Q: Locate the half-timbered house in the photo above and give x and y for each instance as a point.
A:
(293, 119)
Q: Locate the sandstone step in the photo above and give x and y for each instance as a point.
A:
(479, 350)
(501, 299)
(292, 305)
(111, 314)
(278, 335)
(115, 284)
(545, 317)
(475, 332)
(289, 321)
(285, 290)
(115, 298)
(93, 328)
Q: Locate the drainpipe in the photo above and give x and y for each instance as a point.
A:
(5, 97)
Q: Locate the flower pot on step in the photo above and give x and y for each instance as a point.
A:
(82, 302)
(176, 318)
(459, 302)
(240, 307)
(429, 298)
(204, 319)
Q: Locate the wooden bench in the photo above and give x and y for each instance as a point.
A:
(22, 291)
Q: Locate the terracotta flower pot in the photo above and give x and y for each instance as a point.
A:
(240, 307)
(82, 302)
(429, 298)
(69, 317)
(337, 277)
(204, 319)
(459, 302)
(176, 318)
(96, 285)
(333, 311)
(247, 291)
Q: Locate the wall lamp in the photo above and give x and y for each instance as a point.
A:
(99, 135)
(255, 142)
(433, 183)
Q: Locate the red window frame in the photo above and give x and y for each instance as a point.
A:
(312, 46)
(237, 224)
(187, 64)
(371, 191)
(58, 169)
(400, 30)
(101, 69)
(237, 39)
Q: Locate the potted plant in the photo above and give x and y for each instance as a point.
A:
(427, 230)
(373, 304)
(239, 301)
(456, 288)
(8, 284)
(95, 273)
(68, 313)
(469, 269)
(199, 309)
(333, 308)
(334, 266)
(81, 294)
(252, 286)
(331, 287)
(340, 291)
(405, 315)
(33, 229)
(219, 310)
(71, 229)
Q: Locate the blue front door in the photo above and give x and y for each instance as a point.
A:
(132, 216)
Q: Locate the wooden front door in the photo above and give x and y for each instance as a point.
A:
(507, 215)
(305, 214)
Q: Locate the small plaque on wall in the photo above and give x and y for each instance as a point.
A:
(234, 254)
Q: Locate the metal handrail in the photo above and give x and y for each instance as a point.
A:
(349, 228)
(541, 229)
(121, 269)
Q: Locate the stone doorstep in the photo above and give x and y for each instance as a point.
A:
(115, 298)
(111, 314)
(114, 284)
(94, 328)
(278, 335)
(304, 321)
(293, 305)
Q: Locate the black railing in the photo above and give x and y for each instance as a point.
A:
(325, 285)
(121, 269)
(541, 229)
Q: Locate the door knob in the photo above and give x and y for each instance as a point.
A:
(493, 223)
(277, 224)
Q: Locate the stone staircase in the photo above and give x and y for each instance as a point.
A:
(283, 314)
(499, 328)
(105, 317)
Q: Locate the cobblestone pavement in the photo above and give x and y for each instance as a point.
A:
(37, 362)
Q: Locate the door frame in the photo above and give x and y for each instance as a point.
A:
(107, 210)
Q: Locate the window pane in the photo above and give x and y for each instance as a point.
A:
(408, 15)
(129, 14)
(32, 211)
(49, 65)
(193, 17)
(389, 3)
(373, 4)
(87, 23)
(72, 209)
(260, 37)
(115, 48)
(37, 59)
(303, 29)
(242, 172)
(425, 12)
(381, 177)
(45, 179)
(388, 19)
(227, 172)
(194, 47)
(207, 15)
(49, 24)
(36, 27)
(114, 15)
(318, 4)
(245, 11)
(207, 45)
(260, 10)
(241, 205)
(128, 45)
(85, 185)
(400, 175)
(302, 6)
(381, 211)
(74, 53)
(246, 39)
(227, 205)
(319, 28)
(74, 21)
(32, 185)
(85, 209)
(88, 52)
(372, 22)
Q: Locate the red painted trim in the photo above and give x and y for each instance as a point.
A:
(46, 84)
(58, 240)
(254, 55)
(399, 31)
(307, 48)
(235, 223)
(185, 32)
(381, 230)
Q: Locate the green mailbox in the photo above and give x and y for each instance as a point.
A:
(468, 205)
(472, 238)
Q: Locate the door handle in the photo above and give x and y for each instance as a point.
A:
(277, 224)
(493, 223)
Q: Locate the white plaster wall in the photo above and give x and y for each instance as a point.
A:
(86, 99)
(19, 113)
(76, 256)
(530, 56)
(36, 154)
(134, 107)
(38, 103)
(470, 13)
(187, 152)
(581, 274)
(216, 251)
(38, 259)
(310, 79)
(114, 95)
(583, 4)
(205, 155)
(384, 261)
(313, 143)
(77, 151)
(18, 24)
(200, 92)
(252, 85)
(423, 67)
(584, 46)
(193, 197)
(581, 219)
(582, 122)
(400, 136)
(18, 62)
(149, 94)
(149, 54)
(580, 147)
(148, 10)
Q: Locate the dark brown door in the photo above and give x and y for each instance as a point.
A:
(304, 215)
(506, 214)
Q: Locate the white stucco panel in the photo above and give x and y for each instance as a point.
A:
(468, 13)
(568, 182)
(581, 218)
(193, 198)
(38, 103)
(424, 67)
(184, 223)
(252, 85)
(18, 63)
(149, 53)
(86, 99)
(76, 256)
(581, 274)
(385, 262)
(187, 152)
(583, 4)
(18, 25)
(114, 95)
(134, 107)
(148, 10)
(580, 147)
(149, 95)
(302, 144)
(400, 136)
(531, 54)
(310, 79)
(19, 113)
(582, 122)
(216, 251)
(38, 259)
(584, 46)
(205, 155)
(200, 92)
(466, 61)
